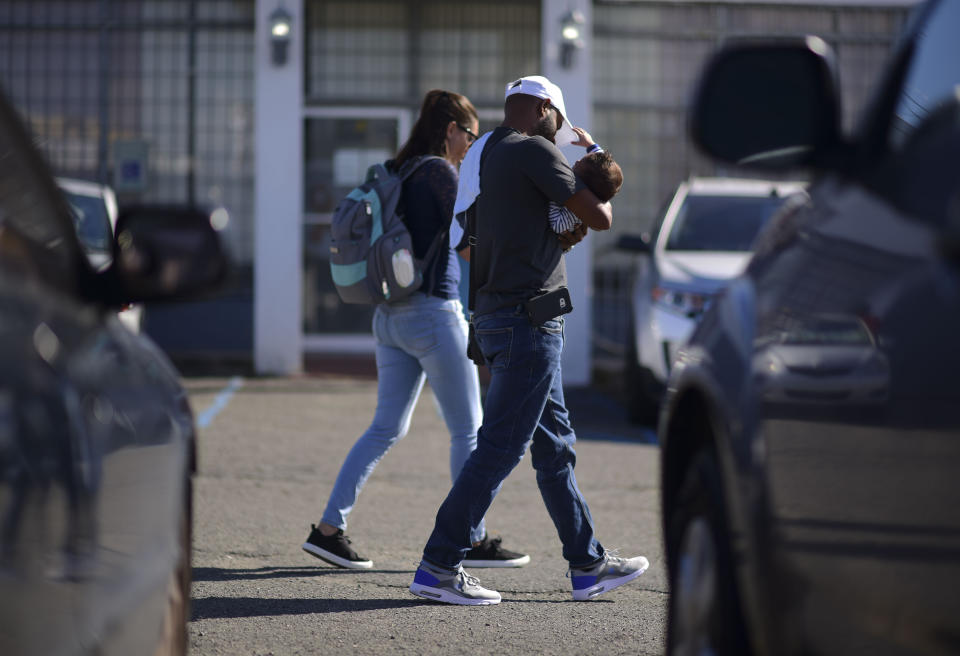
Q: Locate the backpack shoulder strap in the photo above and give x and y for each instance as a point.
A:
(471, 218)
(494, 139)
(412, 165)
(377, 172)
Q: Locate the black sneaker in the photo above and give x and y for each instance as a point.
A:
(334, 549)
(490, 554)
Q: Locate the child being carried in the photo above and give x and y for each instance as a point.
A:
(599, 172)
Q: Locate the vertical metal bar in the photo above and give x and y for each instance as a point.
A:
(103, 73)
(8, 73)
(308, 39)
(413, 92)
(192, 103)
(463, 54)
(44, 109)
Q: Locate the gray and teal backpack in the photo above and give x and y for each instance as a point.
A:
(371, 250)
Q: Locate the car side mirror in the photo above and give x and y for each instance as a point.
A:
(769, 105)
(166, 253)
(634, 244)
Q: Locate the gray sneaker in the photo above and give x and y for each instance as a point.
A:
(610, 573)
(451, 587)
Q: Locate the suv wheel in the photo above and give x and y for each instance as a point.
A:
(704, 614)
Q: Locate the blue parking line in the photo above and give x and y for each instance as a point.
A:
(219, 403)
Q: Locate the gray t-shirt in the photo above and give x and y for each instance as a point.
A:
(517, 254)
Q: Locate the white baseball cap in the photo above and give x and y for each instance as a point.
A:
(540, 87)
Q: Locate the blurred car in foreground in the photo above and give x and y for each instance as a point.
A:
(94, 208)
(810, 433)
(97, 441)
(702, 241)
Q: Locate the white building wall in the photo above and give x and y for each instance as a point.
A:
(278, 198)
(578, 99)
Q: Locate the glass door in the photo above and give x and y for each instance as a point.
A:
(339, 146)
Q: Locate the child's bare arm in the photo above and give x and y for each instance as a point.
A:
(584, 139)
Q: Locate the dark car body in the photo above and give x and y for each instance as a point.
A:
(97, 439)
(811, 427)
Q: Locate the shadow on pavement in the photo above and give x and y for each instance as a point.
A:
(213, 574)
(236, 607)
(208, 608)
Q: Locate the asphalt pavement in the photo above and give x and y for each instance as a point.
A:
(270, 449)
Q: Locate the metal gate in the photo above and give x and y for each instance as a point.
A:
(154, 97)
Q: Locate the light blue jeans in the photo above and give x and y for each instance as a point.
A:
(422, 338)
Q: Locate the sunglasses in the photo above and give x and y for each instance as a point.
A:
(470, 135)
(559, 116)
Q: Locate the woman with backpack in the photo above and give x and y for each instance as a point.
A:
(423, 337)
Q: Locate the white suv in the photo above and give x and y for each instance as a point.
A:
(703, 240)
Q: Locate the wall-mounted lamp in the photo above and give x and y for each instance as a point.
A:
(280, 26)
(571, 33)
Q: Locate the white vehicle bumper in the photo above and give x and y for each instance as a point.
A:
(665, 333)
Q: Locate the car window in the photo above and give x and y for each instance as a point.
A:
(934, 76)
(720, 223)
(91, 221)
(36, 234)
(822, 330)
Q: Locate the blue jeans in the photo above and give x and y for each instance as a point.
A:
(423, 337)
(524, 406)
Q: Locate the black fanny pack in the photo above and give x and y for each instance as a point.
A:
(551, 305)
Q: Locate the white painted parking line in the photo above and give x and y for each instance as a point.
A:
(219, 403)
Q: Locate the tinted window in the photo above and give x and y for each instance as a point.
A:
(92, 222)
(720, 223)
(827, 330)
(934, 74)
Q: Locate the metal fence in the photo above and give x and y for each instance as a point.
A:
(163, 85)
(369, 52)
(155, 97)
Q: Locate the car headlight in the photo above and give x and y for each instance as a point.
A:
(686, 303)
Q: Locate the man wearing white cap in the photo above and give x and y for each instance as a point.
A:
(536, 86)
(519, 280)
